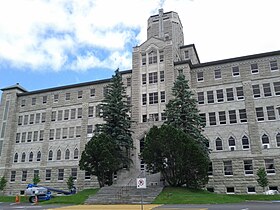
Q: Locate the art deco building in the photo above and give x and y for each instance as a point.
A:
(44, 132)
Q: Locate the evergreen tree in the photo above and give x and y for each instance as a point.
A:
(36, 179)
(3, 183)
(182, 111)
(70, 183)
(262, 178)
(116, 110)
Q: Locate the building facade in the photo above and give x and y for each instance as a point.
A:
(44, 132)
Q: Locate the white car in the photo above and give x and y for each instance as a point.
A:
(271, 192)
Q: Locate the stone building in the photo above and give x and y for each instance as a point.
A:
(44, 132)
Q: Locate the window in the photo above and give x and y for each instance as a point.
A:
(16, 158)
(248, 167)
(80, 113)
(144, 59)
(144, 99)
(17, 137)
(41, 137)
(265, 141)
(50, 155)
(43, 119)
(187, 56)
(23, 155)
(33, 101)
(235, 71)
(269, 166)
(25, 120)
(153, 78)
(64, 133)
(245, 143)
(58, 155)
(231, 143)
(232, 116)
(31, 119)
(71, 132)
(163, 116)
(256, 91)
(23, 103)
(230, 190)
(13, 176)
(254, 68)
(30, 159)
(152, 57)
(219, 144)
(212, 118)
(239, 93)
(260, 114)
(242, 115)
(67, 154)
(90, 111)
(251, 190)
(51, 134)
(230, 96)
(267, 89)
(38, 156)
(278, 139)
(222, 117)
(89, 129)
(273, 65)
(153, 98)
(144, 118)
(20, 118)
(67, 96)
(154, 117)
(144, 79)
(162, 96)
(60, 174)
(55, 97)
(203, 118)
(200, 76)
(37, 118)
(48, 174)
(217, 74)
(35, 173)
(270, 113)
(210, 169)
(74, 172)
(87, 175)
(73, 114)
(220, 95)
(200, 97)
(228, 168)
(92, 92)
(128, 81)
(66, 114)
(76, 153)
(80, 94)
(78, 131)
(24, 176)
(210, 97)
(53, 116)
(161, 76)
(276, 88)
(45, 98)
(23, 137)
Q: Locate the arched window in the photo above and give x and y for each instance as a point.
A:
(67, 154)
(278, 139)
(219, 144)
(30, 156)
(58, 155)
(16, 158)
(265, 141)
(245, 142)
(231, 143)
(76, 153)
(39, 156)
(23, 157)
(50, 155)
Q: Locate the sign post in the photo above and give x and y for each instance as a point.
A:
(141, 184)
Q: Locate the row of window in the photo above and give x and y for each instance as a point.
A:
(153, 98)
(153, 117)
(31, 158)
(48, 174)
(245, 143)
(236, 71)
(250, 189)
(153, 57)
(153, 77)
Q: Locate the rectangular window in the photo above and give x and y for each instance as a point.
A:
(17, 137)
(210, 169)
(80, 94)
(200, 76)
(48, 174)
(89, 129)
(242, 115)
(13, 176)
(45, 98)
(67, 96)
(230, 190)
(228, 168)
(59, 115)
(55, 98)
(43, 119)
(144, 59)
(212, 118)
(153, 78)
(222, 117)
(80, 113)
(220, 95)
(64, 133)
(276, 88)
(29, 136)
(74, 173)
(51, 134)
(270, 113)
(269, 166)
(260, 114)
(152, 57)
(256, 91)
(92, 92)
(245, 143)
(60, 174)
(232, 116)
(162, 96)
(144, 118)
(31, 119)
(200, 97)
(58, 133)
(53, 116)
(144, 79)
(153, 98)
(153, 117)
(218, 74)
(23, 103)
(144, 99)
(33, 101)
(161, 76)
(235, 71)
(23, 137)
(41, 138)
(90, 111)
(78, 131)
(20, 118)
(37, 118)
(239, 93)
(248, 167)
(128, 81)
(66, 114)
(35, 136)
(71, 132)
(25, 120)
(210, 97)
(254, 68)
(273, 65)
(230, 96)
(251, 190)
(24, 176)
(187, 56)
(267, 90)
(73, 114)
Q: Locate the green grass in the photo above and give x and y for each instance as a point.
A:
(180, 195)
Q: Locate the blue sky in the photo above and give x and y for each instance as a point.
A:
(49, 43)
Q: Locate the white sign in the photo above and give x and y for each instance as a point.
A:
(141, 183)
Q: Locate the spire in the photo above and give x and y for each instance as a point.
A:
(161, 32)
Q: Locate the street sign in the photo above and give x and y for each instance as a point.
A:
(141, 183)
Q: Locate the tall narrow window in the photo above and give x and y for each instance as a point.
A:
(162, 96)
(60, 175)
(144, 99)
(128, 81)
(16, 158)
(73, 114)
(55, 98)
(23, 155)
(161, 56)
(231, 143)
(144, 59)
(24, 176)
(267, 89)
(270, 113)
(144, 79)
(76, 153)
(256, 91)
(53, 116)
(67, 154)
(80, 94)
(259, 113)
(222, 117)
(210, 97)
(161, 76)
(254, 68)
(33, 101)
(220, 95)
(278, 139)
(200, 97)
(66, 114)
(50, 155)
(57, 133)
(48, 174)
(217, 74)
(219, 144)
(200, 76)
(153, 78)
(90, 111)
(228, 168)
(38, 158)
(45, 98)
(245, 143)
(30, 159)
(235, 71)
(242, 115)
(269, 166)
(58, 155)
(230, 96)
(80, 113)
(92, 92)
(276, 88)
(265, 141)
(210, 169)
(239, 93)
(232, 116)
(273, 65)
(248, 167)
(212, 118)
(67, 96)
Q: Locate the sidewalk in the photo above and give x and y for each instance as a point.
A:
(109, 207)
